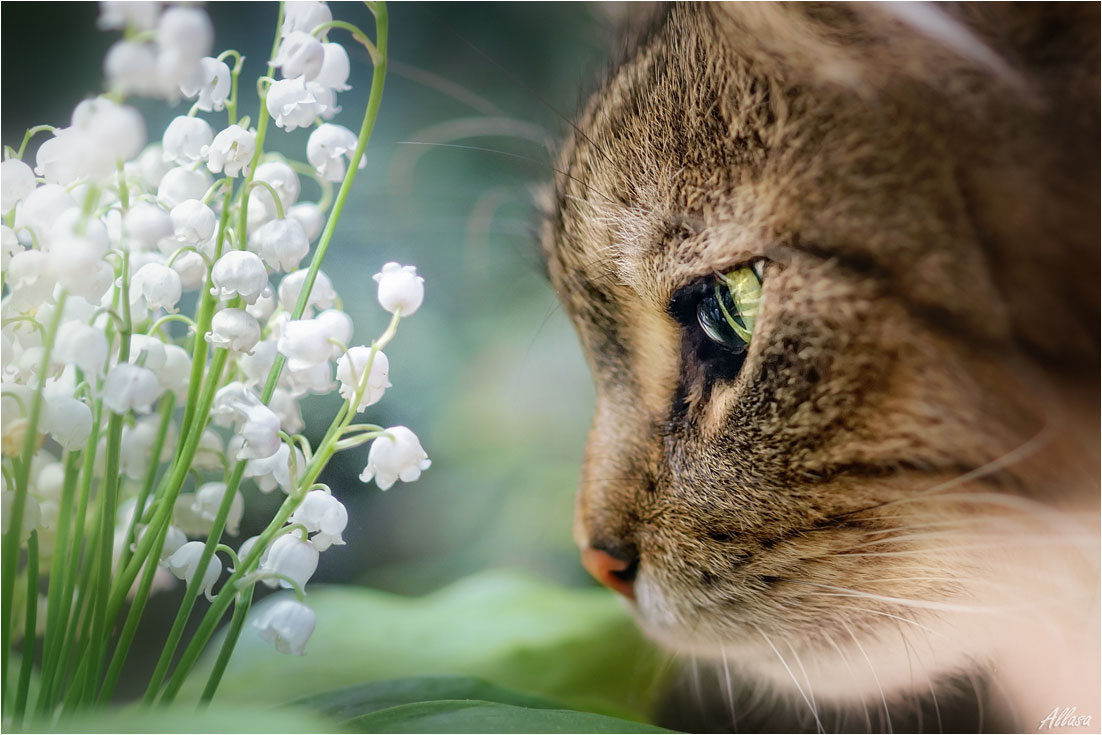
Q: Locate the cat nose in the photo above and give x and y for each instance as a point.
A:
(614, 572)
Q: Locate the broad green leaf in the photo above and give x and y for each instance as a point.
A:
(360, 699)
(189, 719)
(576, 645)
(471, 716)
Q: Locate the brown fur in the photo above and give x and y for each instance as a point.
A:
(927, 350)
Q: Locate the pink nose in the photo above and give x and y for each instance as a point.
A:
(616, 574)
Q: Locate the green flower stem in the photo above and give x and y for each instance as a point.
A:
(130, 627)
(325, 199)
(358, 35)
(240, 612)
(192, 592)
(168, 403)
(10, 544)
(29, 630)
(51, 641)
(271, 190)
(31, 132)
(235, 72)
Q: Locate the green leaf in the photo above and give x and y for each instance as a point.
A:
(188, 719)
(576, 645)
(360, 699)
(463, 716)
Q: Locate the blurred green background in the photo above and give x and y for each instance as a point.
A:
(488, 373)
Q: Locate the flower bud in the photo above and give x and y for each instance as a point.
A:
(147, 224)
(234, 329)
(118, 15)
(328, 147)
(131, 68)
(260, 432)
(193, 222)
(322, 295)
(396, 455)
(68, 421)
(81, 345)
(180, 184)
(310, 217)
(400, 288)
(186, 30)
(275, 471)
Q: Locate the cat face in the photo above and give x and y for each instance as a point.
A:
(851, 479)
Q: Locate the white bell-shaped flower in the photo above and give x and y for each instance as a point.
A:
(77, 243)
(210, 453)
(147, 351)
(256, 366)
(176, 373)
(339, 326)
(246, 548)
(239, 273)
(264, 305)
(282, 178)
(150, 167)
(119, 130)
(287, 624)
(147, 224)
(232, 403)
(234, 329)
(193, 222)
(174, 539)
(158, 285)
(9, 245)
(213, 86)
(192, 269)
(81, 345)
(39, 210)
(400, 288)
(335, 68)
(131, 68)
(324, 516)
(68, 421)
(291, 105)
(310, 217)
(291, 557)
(180, 184)
(309, 342)
(316, 379)
(286, 407)
(31, 278)
(350, 369)
(396, 455)
(208, 499)
(261, 434)
(327, 149)
(118, 15)
(32, 516)
(275, 471)
(322, 295)
(16, 182)
(304, 15)
(184, 563)
(326, 100)
(185, 139)
(231, 151)
(187, 30)
(299, 55)
(136, 451)
(281, 243)
(130, 388)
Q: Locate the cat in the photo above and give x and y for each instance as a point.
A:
(834, 268)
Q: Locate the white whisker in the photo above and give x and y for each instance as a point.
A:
(800, 689)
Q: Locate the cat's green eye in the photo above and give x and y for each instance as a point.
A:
(728, 313)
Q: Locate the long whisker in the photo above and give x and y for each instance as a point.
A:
(799, 688)
(872, 670)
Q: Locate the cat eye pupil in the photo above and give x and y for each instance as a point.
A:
(727, 313)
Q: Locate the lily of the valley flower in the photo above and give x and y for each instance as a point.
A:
(82, 345)
(147, 224)
(185, 562)
(185, 138)
(324, 516)
(322, 295)
(209, 497)
(158, 285)
(260, 432)
(180, 184)
(16, 182)
(234, 329)
(193, 222)
(281, 243)
(239, 273)
(231, 151)
(350, 369)
(396, 455)
(290, 104)
(68, 421)
(334, 68)
(327, 149)
(288, 625)
(400, 288)
(130, 388)
(213, 85)
(293, 558)
(304, 15)
(300, 55)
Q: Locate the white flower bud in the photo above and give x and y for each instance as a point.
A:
(81, 345)
(305, 343)
(231, 151)
(16, 182)
(324, 516)
(310, 217)
(350, 369)
(334, 67)
(234, 329)
(304, 15)
(185, 139)
(208, 499)
(291, 105)
(185, 562)
(400, 288)
(322, 295)
(287, 624)
(328, 147)
(130, 388)
(180, 184)
(213, 85)
(158, 284)
(281, 243)
(131, 68)
(147, 224)
(68, 421)
(239, 272)
(261, 434)
(246, 548)
(193, 222)
(396, 455)
(117, 15)
(299, 55)
(70, 156)
(187, 30)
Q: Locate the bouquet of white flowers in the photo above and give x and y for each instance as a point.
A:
(129, 423)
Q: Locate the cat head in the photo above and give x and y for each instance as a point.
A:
(834, 273)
